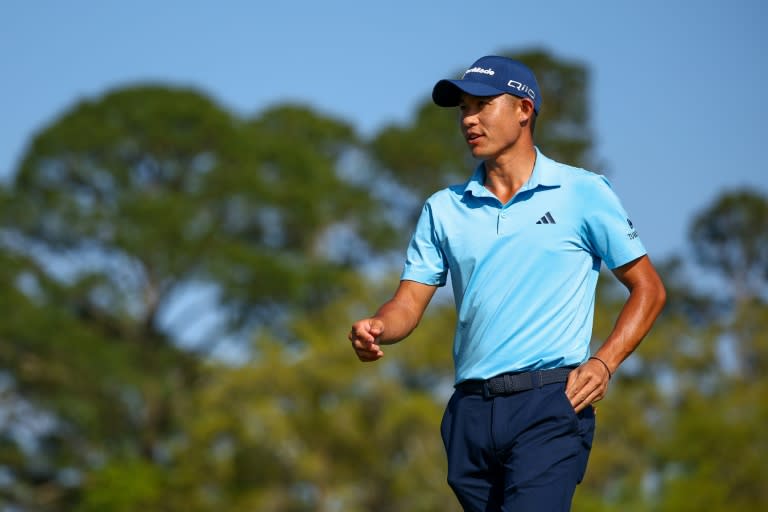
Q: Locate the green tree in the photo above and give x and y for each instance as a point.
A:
(123, 209)
(716, 448)
(681, 427)
(730, 238)
(308, 428)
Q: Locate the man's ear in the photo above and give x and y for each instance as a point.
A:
(526, 110)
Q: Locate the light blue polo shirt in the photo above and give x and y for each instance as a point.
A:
(523, 273)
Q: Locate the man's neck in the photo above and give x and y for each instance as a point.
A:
(506, 174)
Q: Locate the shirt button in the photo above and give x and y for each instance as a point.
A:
(503, 215)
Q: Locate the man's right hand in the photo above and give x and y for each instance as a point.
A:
(401, 314)
(364, 336)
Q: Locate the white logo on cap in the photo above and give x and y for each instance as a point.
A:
(522, 88)
(483, 71)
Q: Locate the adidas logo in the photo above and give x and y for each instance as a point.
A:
(546, 219)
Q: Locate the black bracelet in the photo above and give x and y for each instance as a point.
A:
(606, 366)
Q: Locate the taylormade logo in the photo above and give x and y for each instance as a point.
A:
(483, 71)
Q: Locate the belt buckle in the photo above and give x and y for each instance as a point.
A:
(487, 393)
(494, 386)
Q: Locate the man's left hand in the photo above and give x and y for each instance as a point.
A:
(587, 384)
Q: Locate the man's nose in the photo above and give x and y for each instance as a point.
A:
(468, 119)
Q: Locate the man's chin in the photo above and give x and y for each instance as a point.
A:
(476, 151)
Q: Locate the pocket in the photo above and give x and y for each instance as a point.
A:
(586, 433)
(447, 421)
(567, 408)
(586, 420)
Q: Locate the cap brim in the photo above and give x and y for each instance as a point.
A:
(447, 93)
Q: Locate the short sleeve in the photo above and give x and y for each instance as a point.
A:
(609, 233)
(425, 261)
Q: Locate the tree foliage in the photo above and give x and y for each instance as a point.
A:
(730, 238)
(129, 203)
(150, 226)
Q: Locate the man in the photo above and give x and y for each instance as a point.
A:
(523, 240)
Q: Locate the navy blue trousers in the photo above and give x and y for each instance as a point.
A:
(516, 453)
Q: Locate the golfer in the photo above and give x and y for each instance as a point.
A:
(523, 240)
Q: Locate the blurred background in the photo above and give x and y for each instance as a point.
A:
(198, 198)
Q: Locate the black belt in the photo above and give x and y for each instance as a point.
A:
(509, 383)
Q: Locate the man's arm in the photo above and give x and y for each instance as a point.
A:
(589, 382)
(394, 320)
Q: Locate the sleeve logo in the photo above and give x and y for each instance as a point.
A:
(633, 233)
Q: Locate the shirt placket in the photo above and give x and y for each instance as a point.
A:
(503, 221)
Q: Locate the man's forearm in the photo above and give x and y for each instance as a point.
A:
(400, 320)
(394, 320)
(401, 314)
(635, 320)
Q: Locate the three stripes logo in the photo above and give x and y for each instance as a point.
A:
(546, 219)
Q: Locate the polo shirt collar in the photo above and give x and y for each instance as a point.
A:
(545, 174)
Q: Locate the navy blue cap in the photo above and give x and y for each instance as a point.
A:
(490, 76)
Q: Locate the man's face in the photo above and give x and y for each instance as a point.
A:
(490, 124)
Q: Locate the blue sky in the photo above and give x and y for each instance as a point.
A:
(678, 92)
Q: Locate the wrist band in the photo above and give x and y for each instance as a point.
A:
(606, 366)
